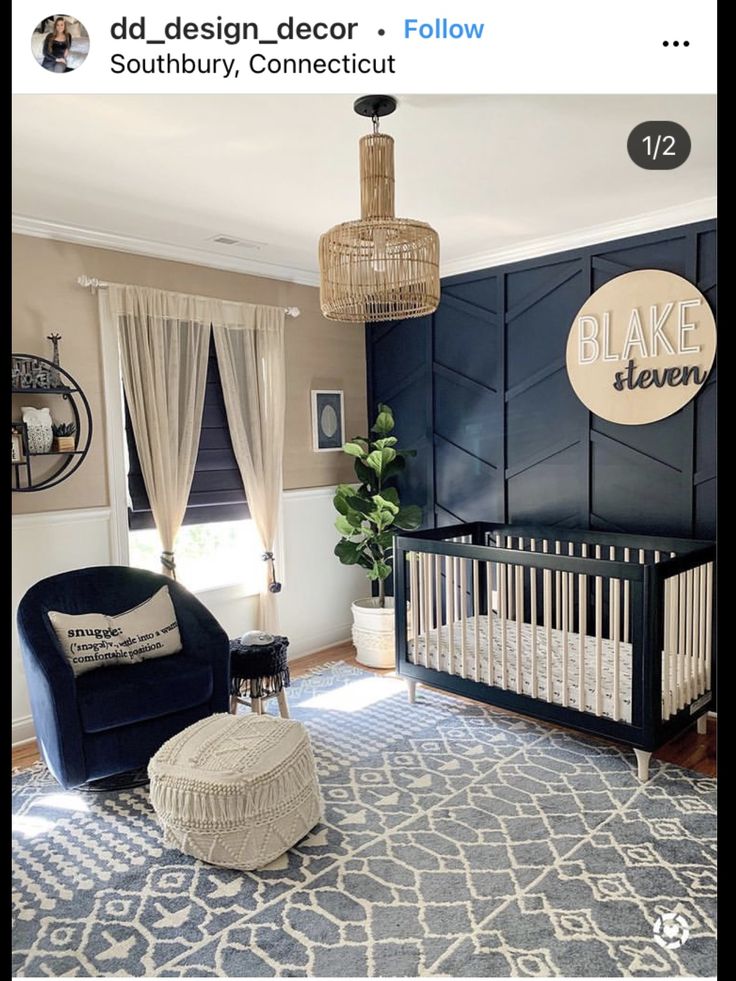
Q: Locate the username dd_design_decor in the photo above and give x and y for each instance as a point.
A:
(641, 347)
(379, 267)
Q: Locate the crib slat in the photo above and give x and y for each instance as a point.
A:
(627, 587)
(558, 594)
(547, 584)
(509, 585)
(665, 652)
(414, 595)
(693, 609)
(519, 616)
(533, 612)
(688, 636)
(612, 557)
(672, 650)
(598, 639)
(438, 567)
(708, 623)
(582, 632)
(427, 597)
(616, 615)
(565, 610)
(701, 640)
(502, 582)
(463, 616)
(696, 632)
(491, 638)
(476, 617)
(681, 641)
(420, 597)
(450, 614)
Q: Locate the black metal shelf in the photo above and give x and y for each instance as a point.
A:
(68, 461)
(57, 453)
(44, 391)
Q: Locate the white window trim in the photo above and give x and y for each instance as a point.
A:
(114, 413)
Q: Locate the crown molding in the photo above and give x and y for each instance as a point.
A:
(38, 228)
(651, 221)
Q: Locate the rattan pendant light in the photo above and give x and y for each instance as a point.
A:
(380, 267)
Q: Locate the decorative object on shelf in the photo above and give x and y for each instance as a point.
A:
(39, 427)
(328, 421)
(367, 520)
(54, 380)
(259, 671)
(30, 378)
(30, 373)
(18, 443)
(379, 267)
(64, 437)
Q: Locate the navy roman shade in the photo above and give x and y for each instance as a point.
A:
(217, 489)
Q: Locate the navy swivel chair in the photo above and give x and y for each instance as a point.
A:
(113, 719)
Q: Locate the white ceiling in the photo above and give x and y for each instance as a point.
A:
(163, 174)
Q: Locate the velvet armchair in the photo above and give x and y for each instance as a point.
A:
(113, 719)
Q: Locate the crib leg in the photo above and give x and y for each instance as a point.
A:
(411, 689)
(643, 757)
(702, 725)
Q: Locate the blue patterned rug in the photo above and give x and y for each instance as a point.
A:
(457, 841)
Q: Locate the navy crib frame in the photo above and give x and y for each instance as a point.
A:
(647, 730)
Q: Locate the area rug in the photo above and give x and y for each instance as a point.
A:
(457, 841)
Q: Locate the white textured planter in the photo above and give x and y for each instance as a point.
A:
(373, 632)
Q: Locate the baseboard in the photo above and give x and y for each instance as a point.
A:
(313, 643)
(22, 730)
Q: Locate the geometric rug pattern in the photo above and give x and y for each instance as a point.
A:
(457, 841)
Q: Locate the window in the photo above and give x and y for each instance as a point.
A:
(208, 556)
(217, 489)
(217, 545)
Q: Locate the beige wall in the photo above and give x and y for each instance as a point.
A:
(46, 298)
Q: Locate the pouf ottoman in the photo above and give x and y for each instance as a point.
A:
(236, 791)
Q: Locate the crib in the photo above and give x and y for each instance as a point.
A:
(610, 634)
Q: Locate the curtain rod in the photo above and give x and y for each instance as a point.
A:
(89, 282)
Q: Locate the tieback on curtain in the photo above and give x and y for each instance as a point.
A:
(274, 585)
(168, 563)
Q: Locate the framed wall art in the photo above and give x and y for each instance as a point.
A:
(328, 421)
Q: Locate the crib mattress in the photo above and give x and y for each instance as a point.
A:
(429, 656)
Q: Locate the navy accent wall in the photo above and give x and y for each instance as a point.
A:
(481, 391)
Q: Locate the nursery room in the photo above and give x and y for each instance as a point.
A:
(364, 569)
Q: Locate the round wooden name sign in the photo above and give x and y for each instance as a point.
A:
(641, 347)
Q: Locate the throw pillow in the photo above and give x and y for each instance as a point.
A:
(96, 640)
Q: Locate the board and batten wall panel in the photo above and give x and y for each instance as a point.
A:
(481, 389)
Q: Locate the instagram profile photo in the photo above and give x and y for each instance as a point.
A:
(60, 43)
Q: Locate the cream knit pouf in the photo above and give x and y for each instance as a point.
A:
(236, 791)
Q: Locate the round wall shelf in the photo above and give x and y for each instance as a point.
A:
(63, 463)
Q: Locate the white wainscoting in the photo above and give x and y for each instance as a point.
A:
(44, 544)
(314, 604)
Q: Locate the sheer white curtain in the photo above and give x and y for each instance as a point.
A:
(164, 341)
(249, 340)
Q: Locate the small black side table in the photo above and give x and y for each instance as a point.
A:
(259, 672)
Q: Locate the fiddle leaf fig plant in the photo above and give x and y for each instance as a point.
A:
(369, 515)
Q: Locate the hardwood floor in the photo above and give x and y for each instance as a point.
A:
(689, 749)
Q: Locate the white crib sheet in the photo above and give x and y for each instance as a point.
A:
(418, 655)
